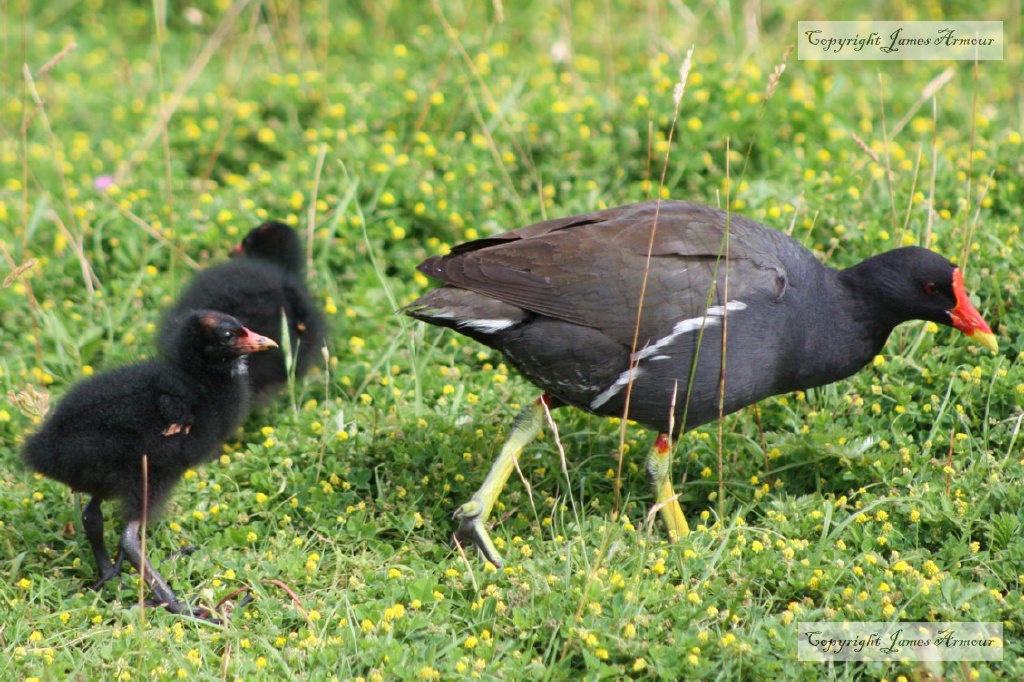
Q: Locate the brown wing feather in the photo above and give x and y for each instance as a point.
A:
(579, 268)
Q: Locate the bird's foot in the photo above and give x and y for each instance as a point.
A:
(472, 531)
(202, 613)
(187, 550)
(104, 579)
(182, 608)
(108, 572)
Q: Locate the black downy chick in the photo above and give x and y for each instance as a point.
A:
(265, 279)
(176, 412)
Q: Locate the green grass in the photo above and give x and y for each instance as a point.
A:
(387, 137)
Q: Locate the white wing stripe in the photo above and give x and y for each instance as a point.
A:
(487, 326)
(711, 318)
(618, 385)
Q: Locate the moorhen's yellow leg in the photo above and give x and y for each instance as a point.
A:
(473, 514)
(659, 474)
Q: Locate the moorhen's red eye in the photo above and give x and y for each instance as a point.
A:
(930, 288)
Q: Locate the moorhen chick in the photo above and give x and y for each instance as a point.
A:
(609, 309)
(175, 412)
(265, 279)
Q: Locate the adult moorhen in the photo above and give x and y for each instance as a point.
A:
(607, 311)
(264, 280)
(174, 412)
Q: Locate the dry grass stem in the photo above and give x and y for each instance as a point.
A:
(30, 401)
(57, 59)
(684, 73)
(159, 127)
(867, 150)
(776, 75)
(929, 92)
(18, 272)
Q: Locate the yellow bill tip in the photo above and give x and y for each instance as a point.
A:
(987, 339)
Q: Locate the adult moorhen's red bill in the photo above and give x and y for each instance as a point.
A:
(175, 412)
(610, 308)
(264, 281)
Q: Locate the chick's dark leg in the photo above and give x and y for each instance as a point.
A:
(473, 514)
(131, 548)
(92, 523)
